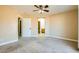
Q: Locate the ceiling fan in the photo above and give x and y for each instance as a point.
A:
(41, 8)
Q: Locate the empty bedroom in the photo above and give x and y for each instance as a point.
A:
(38, 28)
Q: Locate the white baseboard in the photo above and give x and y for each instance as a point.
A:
(64, 38)
(5, 43)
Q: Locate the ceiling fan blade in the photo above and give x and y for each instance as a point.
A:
(35, 10)
(40, 6)
(46, 10)
(36, 6)
(46, 6)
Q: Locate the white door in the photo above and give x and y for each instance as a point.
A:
(26, 27)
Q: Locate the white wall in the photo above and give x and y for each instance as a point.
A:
(34, 28)
(65, 25)
(8, 24)
(47, 27)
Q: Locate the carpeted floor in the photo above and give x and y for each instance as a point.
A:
(40, 45)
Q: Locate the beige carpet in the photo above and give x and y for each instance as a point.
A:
(40, 45)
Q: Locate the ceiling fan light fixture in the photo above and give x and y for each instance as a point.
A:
(40, 11)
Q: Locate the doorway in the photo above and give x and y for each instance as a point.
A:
(19, 27)
(41, 26)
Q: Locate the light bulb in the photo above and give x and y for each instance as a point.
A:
(40, 11)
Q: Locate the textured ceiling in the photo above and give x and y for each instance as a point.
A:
(54, 9)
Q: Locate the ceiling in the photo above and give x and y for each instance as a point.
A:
(27, 10)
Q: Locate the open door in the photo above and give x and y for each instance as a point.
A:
(26, 27)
